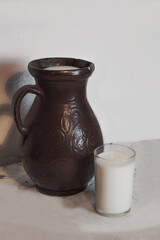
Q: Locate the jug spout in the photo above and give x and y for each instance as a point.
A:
(62, 85)
(39, 69)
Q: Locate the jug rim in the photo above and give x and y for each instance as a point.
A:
(84, 68)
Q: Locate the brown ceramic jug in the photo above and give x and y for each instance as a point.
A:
(60, 131)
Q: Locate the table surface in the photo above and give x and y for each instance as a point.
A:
(26, 214)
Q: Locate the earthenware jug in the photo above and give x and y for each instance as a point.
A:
(60, 131)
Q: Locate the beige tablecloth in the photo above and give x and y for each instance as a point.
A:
(25, 214)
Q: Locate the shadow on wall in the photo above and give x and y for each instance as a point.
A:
(12, 76)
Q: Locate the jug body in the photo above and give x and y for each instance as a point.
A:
(60, 131)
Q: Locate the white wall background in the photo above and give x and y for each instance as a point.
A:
(121, 37)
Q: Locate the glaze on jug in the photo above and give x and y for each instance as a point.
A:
(60, 131)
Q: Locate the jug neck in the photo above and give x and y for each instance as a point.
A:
(64, 91)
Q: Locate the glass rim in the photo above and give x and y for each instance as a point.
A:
(115, 144)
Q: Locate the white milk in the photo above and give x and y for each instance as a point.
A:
(59, 68)
(114, 176)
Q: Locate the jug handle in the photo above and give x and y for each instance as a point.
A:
(19, 95)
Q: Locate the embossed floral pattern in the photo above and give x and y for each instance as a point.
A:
(79, 141)
(66, 122)
(71, 132)
(47, 152)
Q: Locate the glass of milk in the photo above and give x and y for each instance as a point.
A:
(114, 175)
